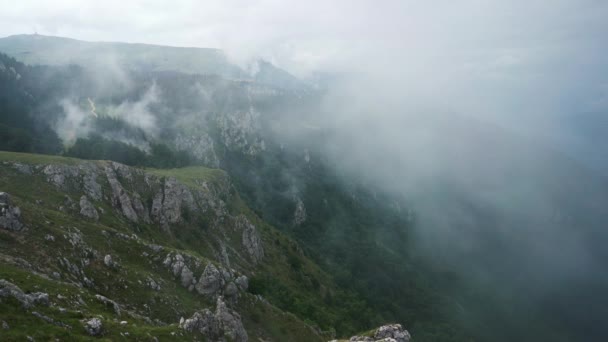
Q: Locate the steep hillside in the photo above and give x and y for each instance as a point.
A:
(93, 248)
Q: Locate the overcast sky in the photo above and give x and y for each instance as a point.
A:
(477, 35)
(530, 57)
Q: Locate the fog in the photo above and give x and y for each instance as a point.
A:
(476, 112)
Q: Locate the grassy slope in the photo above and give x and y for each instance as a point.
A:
(124, 284)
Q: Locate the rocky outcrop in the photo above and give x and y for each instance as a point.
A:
(169, 202)
(94, 327)
(214, 280)
(108, 302)
(89, 181)
(210, 281)
(385, 333)
(10, 290)
(394, 331)
(87, 209)
(222, 325)
(200, 145)
(251, 239)
(239, 131)
(107, 260)
(10, 216)
(242, 282)
(58, 174)
(120, 197)
(229, 322)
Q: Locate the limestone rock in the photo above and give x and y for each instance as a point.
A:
(8, 289)
(187, 277)
(94, 327)
(242, 282)
(58, 174)
(224, 324)
(201, 147)
(394, 331)
(203, 322)
(168, 204)
(107, 260)
(87, 209)
(91, 187)
(229, 322)
(10, 216)
(120, 197)
(108, 302)
(251, 239)
(231, 290)
(210, 281)
(385, 333)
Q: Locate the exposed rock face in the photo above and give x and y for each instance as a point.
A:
(239, 131)
(386, 333)
(23, 168)
(109, 302)
(87, 209)
(251, 239)
(299, 215)
(94, 327)
(229, 322)
(57, 174)
(168, 204)
(394, 331)
(187, 277)
(140, 209)
(120, 197)
(107, 260)
(201, 147)
(10, 216)
(224, 324)
(8, 289)
(89, 181)
(210, 281)
(242, 282)
(203, 322)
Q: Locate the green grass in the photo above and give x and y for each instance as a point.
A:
(190, 176)
(36, 159)
(292, 282)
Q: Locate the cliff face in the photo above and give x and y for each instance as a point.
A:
(99, 248)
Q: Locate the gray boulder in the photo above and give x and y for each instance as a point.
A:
(120, 197)
(87, 209)
(242, 282)
(229, 322)
(8, 289)
(94, 327)
(251, 240)
(392, 331)
(210, 281)
(10, 216)
(222, 325)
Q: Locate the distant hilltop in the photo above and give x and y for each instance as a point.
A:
(49, 50)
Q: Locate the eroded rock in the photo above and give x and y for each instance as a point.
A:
(10, 216)
(120, 197)
(394, 331)
(221, 325)
(8, 289)
(210, 281)
(94, 327)
(251, 239)
(87, 209)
